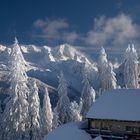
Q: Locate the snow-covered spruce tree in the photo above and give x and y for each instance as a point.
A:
(75, 111)
(15, 116)
(63, 104)
(87, 95)
(47, 114)
(126, 53)
(34, 112)
(131, 70)
(17, 63)
(56, 122)
(107, 79)
(102, 65)
(88, 68)
(102, 60)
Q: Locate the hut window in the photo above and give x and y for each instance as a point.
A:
(131, 129)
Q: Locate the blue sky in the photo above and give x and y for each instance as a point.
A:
(78, 22)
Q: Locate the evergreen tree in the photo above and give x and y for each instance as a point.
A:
(34, 112)
(47, 114)
(88, 68)
(102, 60)
(131, 70)
(63, 104)
(102, 65)
(126, 53)
(87, 95)
(56, 121)
(18, 64)
(75, 111)
(107, 79)
(15, 116)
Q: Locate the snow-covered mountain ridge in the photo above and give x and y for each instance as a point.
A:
(45, 64)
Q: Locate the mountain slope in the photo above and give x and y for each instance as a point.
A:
(46, 63)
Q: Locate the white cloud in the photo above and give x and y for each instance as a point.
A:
(55, 30)
(71, 36)
(115, 31)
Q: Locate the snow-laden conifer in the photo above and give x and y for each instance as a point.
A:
(107, 79)
(131, 70)
(56, 121)
(16, 116)
(17, 64)
(47, 114)
(75, 111)
(34, 112)
(63, 104)
(87, 95)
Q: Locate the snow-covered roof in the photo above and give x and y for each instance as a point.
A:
(119, 104)
(68, 132)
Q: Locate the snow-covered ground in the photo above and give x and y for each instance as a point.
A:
(69, 131)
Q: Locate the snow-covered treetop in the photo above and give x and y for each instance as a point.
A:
(133, 48)
(102, 56)
(15, 41)
(17, 64)
(130, 53)
(16, 54)
(102, 50)
(93, 94)
(134, 53)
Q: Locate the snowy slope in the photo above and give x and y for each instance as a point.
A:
(45, 64)
(68, 132)
(48, 62)
(71, 131)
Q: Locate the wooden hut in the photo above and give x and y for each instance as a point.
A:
(116, 113)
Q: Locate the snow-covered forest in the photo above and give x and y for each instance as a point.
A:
(42, 88)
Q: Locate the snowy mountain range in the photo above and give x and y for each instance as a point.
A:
(45, 64)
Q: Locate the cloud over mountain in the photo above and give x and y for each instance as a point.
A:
(57, 29)
(107, 31)
(117, 30)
